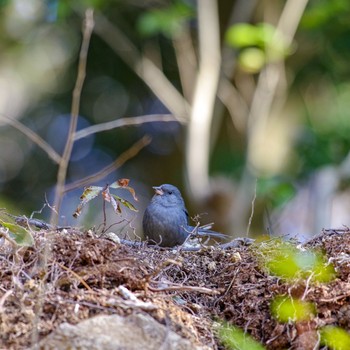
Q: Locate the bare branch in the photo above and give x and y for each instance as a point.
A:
(186, 61)
(182, 288)
(123, 158)
(143, 67)
(263, 99)
(270, 76)
(33, 137)
(63, 165)
(80, 279)
(118, 123)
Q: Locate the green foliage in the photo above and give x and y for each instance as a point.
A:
(286, 260)
(323, 11)
(19, 234)
(318, 71)
(236, 339)
(325, 138)
(259, 44)
(167, 21)
(335, 338)
(3, 3)
(276, 190)
(252, 59)
(65, 8)
(286, 309)
(244, 35)
(92, 192)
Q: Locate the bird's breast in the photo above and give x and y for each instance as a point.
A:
(165, 222)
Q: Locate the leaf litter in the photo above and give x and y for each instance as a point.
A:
(72, 275)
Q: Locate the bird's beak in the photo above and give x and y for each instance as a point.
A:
(158, 190)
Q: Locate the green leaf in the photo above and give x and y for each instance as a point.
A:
(252, 60)
(286, 309)
(323, 12)
(276, 190)
(124, 183)
(286, 260)
(20, 235)
(125, 203)
(259, 44)
(242, 35)
(89, 193)
(234, 338)
(335, 338)
(167, 21)
(109, 198)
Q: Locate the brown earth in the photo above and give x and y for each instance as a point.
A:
(71, 276)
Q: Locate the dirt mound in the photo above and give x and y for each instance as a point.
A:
(71, 276)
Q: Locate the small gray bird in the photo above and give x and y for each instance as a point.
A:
(165, 221)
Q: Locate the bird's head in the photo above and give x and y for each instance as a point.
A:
(168, 195)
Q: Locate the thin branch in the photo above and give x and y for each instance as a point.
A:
(263, 99)
(81, 280)
(4, 233)
(182, 288)
(33, 137)
(186, 61)
(123, 158)
(63, 165)
(270, 76)
(160, 268)
(234, 102)
(143, 67)
(118, 123)
(242, 12)
(131, 300)
(253, 207)
(3, 299)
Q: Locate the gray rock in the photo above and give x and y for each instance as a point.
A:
(137, 331)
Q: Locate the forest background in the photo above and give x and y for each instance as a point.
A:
(244, 105)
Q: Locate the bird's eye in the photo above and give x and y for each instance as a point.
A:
(170, 192)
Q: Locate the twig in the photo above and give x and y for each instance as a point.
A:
(143, 67)
(306, 291)
(237, 107)
(181, 288)
(253, 207)
(191, 234)
(77, 276)
(235, 104)
(33, 137)
(130, 304)
(123, 158)
(3, 299)
(121, 122)
(270, 76)
(104, 212)
(186, 61)
(160, 268)
(4, 234)
(264, 96)
(132, 301)
(63, 165)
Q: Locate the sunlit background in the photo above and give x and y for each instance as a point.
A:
(259, 139)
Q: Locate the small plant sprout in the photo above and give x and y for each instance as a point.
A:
(92, 192)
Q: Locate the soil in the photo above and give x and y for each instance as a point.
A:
(71, 275)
